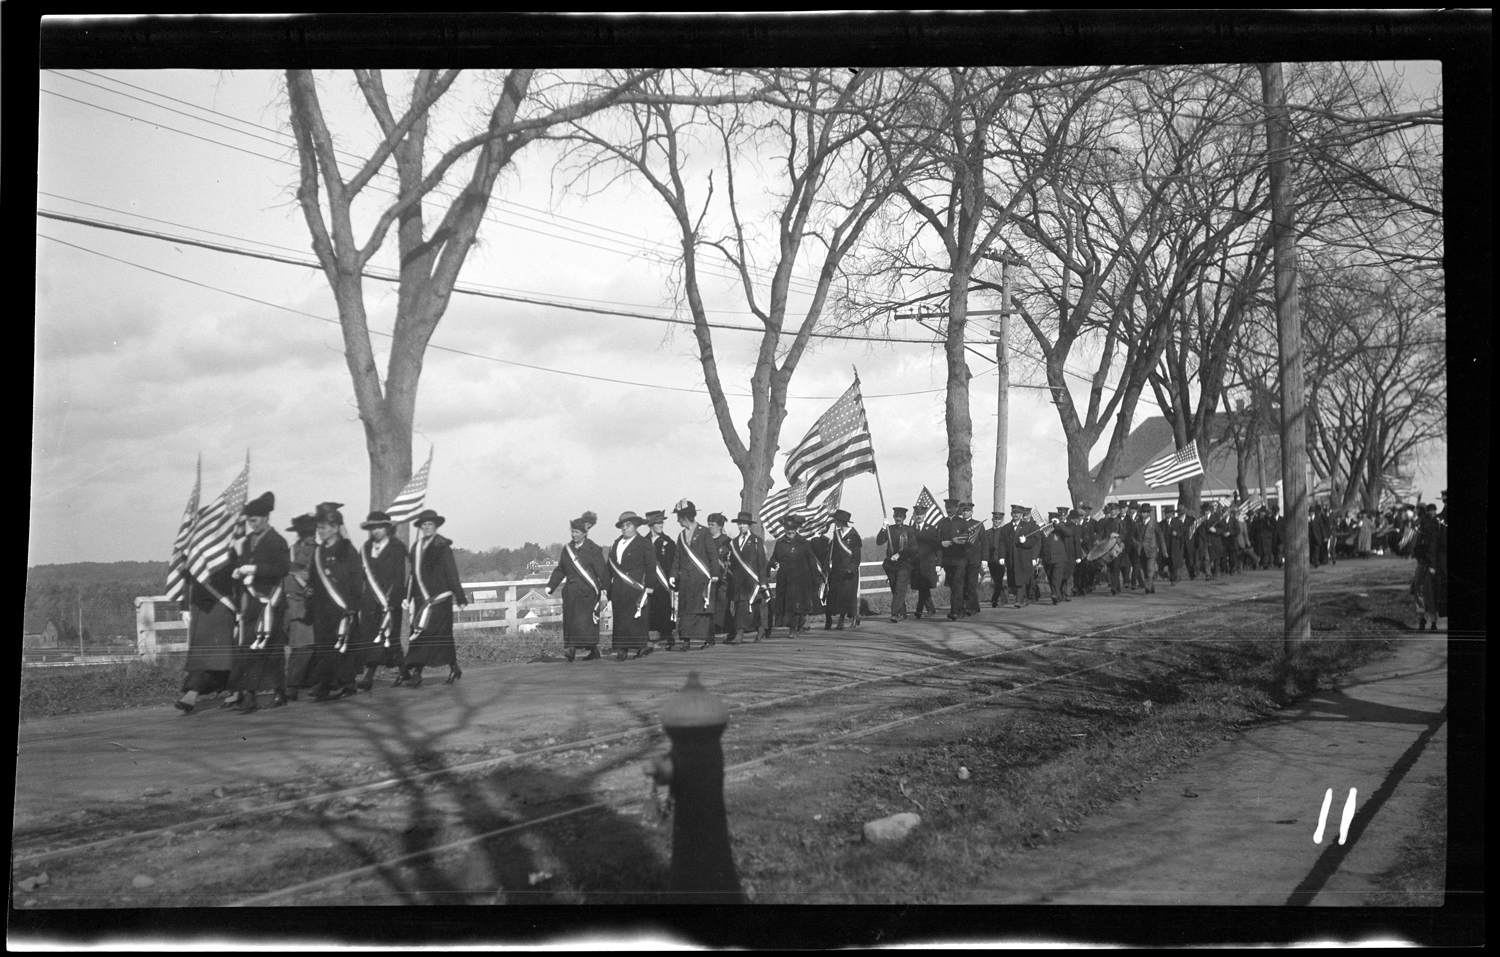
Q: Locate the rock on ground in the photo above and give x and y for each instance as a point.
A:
(892, 828)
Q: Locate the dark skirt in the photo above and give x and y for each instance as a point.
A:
(580, 630)
(628, 630)
(696, 626)
(372, 649)
(210, 640)
(205, 682)
(263, 670)
(659, 608)
(434, 646)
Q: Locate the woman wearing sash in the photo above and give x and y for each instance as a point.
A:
(694, 573)
(435, 590)
(383, 558)
(630, 559)
(797, 578)
(582, 564)
(299, 629)
(335, 584)
(262, 562)
(844, 552)
(211, 618)
(723, 600)
(747, 583)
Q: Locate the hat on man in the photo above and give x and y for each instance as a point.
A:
(950, 503)
(376, 520)
(1168, 509)
(584, 522)
(630, 517)
(304, 525)
(1017, 508)
(997, 514)
(898, 513)
(792, 521)
(965, 504)
(717, 518)
(656, 517)
(1074, 513)
(744, 518)
(684, 508)
(1143, 507)
(261, 505)
(428, 515)
(841, 517)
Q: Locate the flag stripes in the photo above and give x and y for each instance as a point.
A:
(820, 519)
(1174, 467)
(835, 448)
(409, 501)
(780, 504)
(177, 567)
(933, 511)
(217, 526)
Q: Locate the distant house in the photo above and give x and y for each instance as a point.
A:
(41, 633)
(1153, 439)
(528, 622)
(540, 568)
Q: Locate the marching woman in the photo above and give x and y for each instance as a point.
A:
(582, 564)
(335, 584)
(299, 629)
(723, 600)
(262, 563)
(843, 571)
(797, 578)
(630, 562)
(211, 618)
(664, 556)
(436, 589)
(383, 558)
(693, 575)
(748, 584)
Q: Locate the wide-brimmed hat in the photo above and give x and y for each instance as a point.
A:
(744, 518)
(656, 517)
(428, 515)
(261, 505)
(630, 517)
(584, 522)
(376, 520)
(684, 507)
(840, 516)
(303, 524)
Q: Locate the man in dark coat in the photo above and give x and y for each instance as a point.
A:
(335, 586)
(1206, 543)
(631, 564)
(797, 578)
(952, 532)
(749, 584)
(384, 561)
(262, 562)
(1113, 524)
(664, 556)
(1263, 532)
(1025, 546)
(693, 574)
(924, 576)
(900, 559)
(583, 574)
(996, 555)
(436, 590)
(1085, 532)
(1148, 546)
(845, 548)
(723, 602)
(299, 629)
(1068, 522)
(973, 559)
(1055, 558)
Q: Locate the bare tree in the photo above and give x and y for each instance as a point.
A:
(813, 128)
(430, 255)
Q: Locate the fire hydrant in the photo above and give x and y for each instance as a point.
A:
(703, 870)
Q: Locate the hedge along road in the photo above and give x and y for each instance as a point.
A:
(136, 769)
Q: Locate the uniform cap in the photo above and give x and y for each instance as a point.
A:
(898, 513)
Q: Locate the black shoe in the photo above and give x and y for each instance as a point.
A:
(400, 680)
(415, 681)
(894, 619)
(685, 646)
(252, 705)
(569, 653)
(183, 706)
(365, 684)
(347, 691)
(620, 655)
(278, 699)
(320, 693)
(454, 675)
(640, 653)
(593, 653)
(952, 617)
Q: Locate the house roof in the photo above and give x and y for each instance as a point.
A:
(1153, 438)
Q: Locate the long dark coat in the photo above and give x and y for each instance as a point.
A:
(664, 554)
(694, 598)
(211, 625)
(1022, 565)
(629, 578)
(820, 547)
(587, 575)
(929, 550)
(434, 573)
(844, 551)
(797, 578)
(723, 600)
(299, 631)
(385, 575)
(262, 608)
(334, 588)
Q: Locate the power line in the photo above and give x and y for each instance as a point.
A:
(441, 348)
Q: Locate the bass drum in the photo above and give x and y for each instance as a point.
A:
(1107, 550)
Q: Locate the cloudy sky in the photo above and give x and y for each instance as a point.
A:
(149, 353)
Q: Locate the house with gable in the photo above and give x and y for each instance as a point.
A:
(1153, 439)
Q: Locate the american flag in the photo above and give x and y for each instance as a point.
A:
(409, 501)
(821, 518)
(177, 568)
(837, 446)
(211, 540)
(1249, 506)
(933, 513)
(1173, 467)
(780, 504)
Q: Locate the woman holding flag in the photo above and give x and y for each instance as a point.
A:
(630, 561)
(436, 589)
(335, 584)
(582, 564)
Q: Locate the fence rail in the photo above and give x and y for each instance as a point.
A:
(513, 607)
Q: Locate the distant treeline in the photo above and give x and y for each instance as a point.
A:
(106, 591)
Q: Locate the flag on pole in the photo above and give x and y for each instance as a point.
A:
(409, 501)
(177, 570)
(1037, 516)
(927, 512)
(1247, 507)
(820, 518)
(1174, 467)
(217, 526)
(780, 504)
(837, 446)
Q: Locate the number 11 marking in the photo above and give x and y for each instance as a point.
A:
(1344, 824)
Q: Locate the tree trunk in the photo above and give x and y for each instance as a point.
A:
(960, 424)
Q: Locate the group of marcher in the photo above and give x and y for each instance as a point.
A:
(1363, 532)
(321, 614)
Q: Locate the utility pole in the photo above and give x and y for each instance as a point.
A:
(80, 622)
(1001, 332)
(1298, 622)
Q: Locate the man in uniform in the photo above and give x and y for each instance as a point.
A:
(845, 547)
(664, 553)
(973, 557)
(723, 610)
(952, 533)
(1148, 545)
(1086, 532)
(1025, 544)
(262, 564)
(693, 574)
(1113, 525)
(1067, 520)
(996, 550)
(1206, 543)
(749, 585)
(900, 558)
(924, 576)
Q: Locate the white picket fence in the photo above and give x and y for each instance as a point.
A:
(495, 606)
